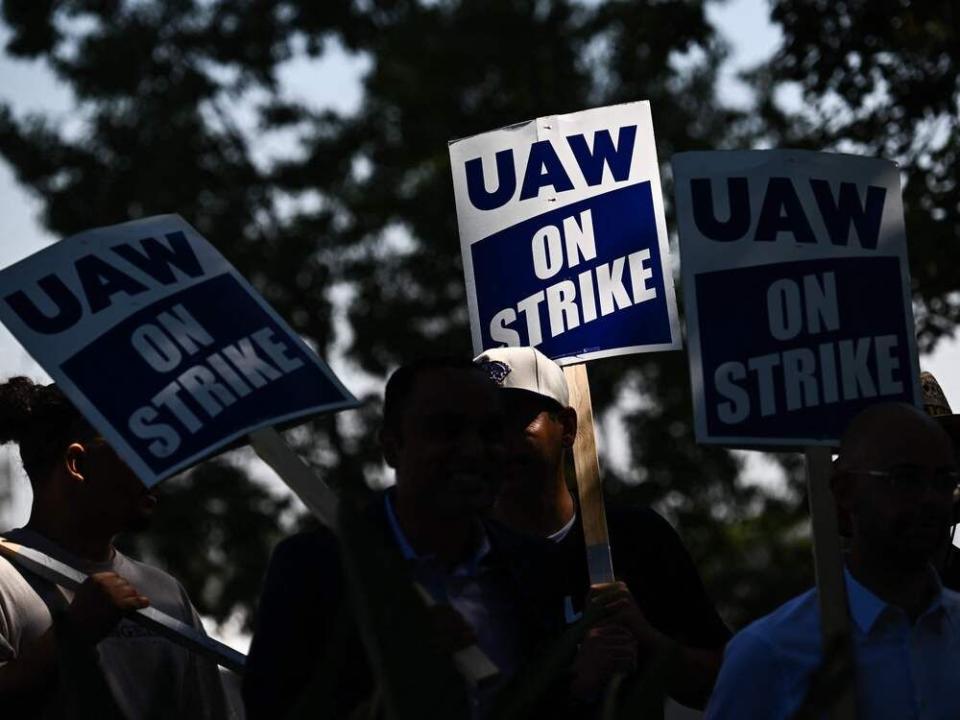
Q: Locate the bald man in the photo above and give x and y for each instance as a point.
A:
(895, 479)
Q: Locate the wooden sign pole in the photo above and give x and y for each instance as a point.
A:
(298, 476)
(589, 485)
(831, 588)
(322, 501)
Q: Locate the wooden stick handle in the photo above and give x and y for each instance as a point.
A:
(828, 561)
(299, 477)
(589, 484)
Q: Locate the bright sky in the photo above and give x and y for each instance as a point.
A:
(333, 81)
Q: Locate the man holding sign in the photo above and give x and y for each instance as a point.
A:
(442, 430)
(164, 348)
(61, 652)
(895, 478)
(799, 316)
(661, 606)
(563, 237)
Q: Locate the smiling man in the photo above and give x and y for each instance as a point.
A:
(895, 480)
(65, 654)
(442, 434)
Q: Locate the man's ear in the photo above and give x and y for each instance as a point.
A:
(74, 459)
(390, 447)
(568, 421)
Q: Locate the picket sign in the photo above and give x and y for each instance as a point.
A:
(799, 316)
(828, 564)
(59, 573)
(589, 484)
(565, 248)
(322, 501)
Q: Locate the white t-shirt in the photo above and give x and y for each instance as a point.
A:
(149, 676)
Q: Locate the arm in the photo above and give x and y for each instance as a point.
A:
(33, 669)
(690, 672)
(98, 605)
(678, 619)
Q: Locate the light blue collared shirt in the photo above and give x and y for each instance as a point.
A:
(904, 670)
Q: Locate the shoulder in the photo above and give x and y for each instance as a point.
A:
(951, 601)
(640, 523)
(22, 610)
(524, 552)
(765, 661)
(134, 570)
(793, 628)
(644, 543)
(305, 546)
(165, 592)
(517, 549)
(303, 566)
(320, 546)
(506, 539)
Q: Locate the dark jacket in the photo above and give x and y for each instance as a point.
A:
(303, 614)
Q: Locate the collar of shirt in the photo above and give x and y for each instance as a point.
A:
(866, 608)
(468, 568)
(564, 531)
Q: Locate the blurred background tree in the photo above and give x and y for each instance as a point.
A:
(345, 220)
(883, 79)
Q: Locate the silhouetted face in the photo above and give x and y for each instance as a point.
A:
(899, 488)
(111, 495)
(534, 436)
(449, 447)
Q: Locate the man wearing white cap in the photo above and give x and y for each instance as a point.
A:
(661, 606)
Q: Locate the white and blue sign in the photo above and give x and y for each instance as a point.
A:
(563, 236)
(797, 293)
(161, 343)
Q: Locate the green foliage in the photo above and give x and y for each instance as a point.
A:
(882, 77)
(178, 102)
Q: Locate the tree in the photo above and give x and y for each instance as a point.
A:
(883, 79)
(366, 205)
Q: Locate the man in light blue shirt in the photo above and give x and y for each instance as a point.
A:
(895, 480)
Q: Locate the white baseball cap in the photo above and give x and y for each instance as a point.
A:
(525, 368)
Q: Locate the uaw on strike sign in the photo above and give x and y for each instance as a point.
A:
(563, 236)
(797, 293)
(161, 343)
